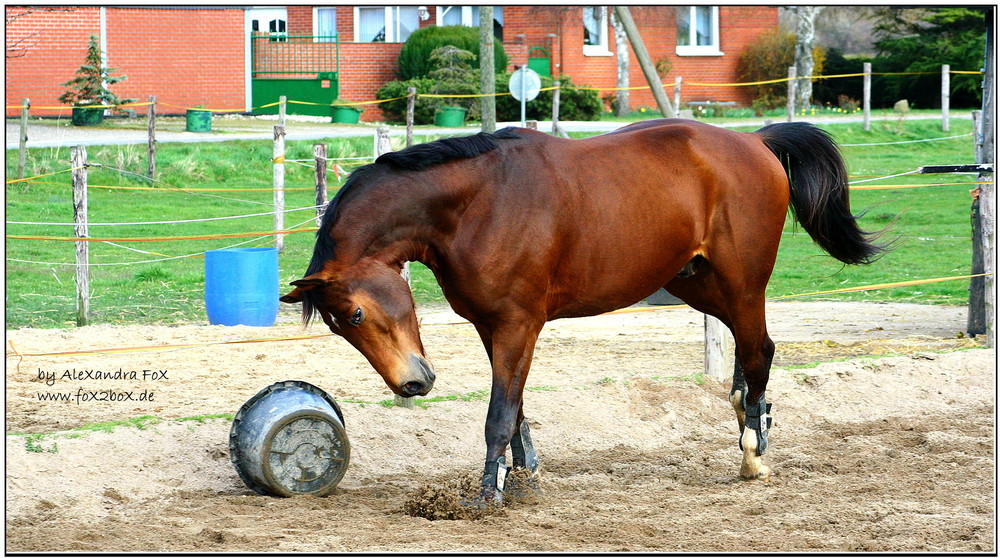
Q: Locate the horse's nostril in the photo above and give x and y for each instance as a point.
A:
(412, 388)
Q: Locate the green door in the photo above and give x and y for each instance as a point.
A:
(539, 61)
(305, 69)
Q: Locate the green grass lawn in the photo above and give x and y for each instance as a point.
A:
(930, 225)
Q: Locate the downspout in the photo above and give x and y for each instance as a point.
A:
(247, 62)
(561, 49)
(104, 33)
(103, 30)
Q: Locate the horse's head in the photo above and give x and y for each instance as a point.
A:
(369, 304)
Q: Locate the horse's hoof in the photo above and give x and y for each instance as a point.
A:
(762, 472)
(488, 497)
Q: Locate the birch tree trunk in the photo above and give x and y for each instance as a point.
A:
(805, 36)
(622, 104)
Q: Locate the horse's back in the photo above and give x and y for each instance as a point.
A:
(596, 224)
(651, 196)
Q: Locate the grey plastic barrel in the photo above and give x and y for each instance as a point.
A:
(289, 439)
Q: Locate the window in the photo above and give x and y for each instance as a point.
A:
(595, 31)
(385, 24)
(325, 25)
(469, 17)
(698, 31)
(272, 21)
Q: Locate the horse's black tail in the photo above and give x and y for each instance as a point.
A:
(817, 177)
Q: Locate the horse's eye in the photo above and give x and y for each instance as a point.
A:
(357, 317)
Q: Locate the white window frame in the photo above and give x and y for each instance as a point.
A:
(391, 20)
(691, 49)
(466, 15)
(315, 20)
(601, 48)
(467, 19)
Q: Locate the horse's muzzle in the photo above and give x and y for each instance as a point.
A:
(419, 378)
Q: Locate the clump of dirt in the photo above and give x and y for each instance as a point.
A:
(451, 500)
(522, 486)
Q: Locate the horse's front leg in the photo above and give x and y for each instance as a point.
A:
(513, 345)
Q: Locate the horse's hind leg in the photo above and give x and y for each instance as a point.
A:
(754, 351)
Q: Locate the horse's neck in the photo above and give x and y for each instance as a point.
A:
(398, 228)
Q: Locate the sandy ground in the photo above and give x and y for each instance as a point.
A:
(892, 453)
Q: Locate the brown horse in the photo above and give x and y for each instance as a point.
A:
(520, 228)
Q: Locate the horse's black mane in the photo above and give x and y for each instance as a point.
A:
(421, 156)
(415, 158)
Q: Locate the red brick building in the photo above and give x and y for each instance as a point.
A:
(189, 56)
(185, 57)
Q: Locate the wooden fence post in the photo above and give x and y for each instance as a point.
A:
(319, 152)
(411, 99)
(976, 320)
(282, 110)
(677, 93)
(987, 190)
(279, 186)
(384, 145)
(867, 96)
(556, 95)
(151, 127)
(718, 364)
(945, 96)
(22, 150)
(78, 162)
(792, 87)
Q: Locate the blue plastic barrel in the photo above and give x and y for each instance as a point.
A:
(241, 286)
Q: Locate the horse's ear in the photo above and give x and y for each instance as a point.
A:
(301, 286)
(295, 295)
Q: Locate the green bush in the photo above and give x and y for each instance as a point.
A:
(769, 58)
(395, 111)
(574, 104)
(415, 58)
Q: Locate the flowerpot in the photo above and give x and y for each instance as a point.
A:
(87, 116)
(449, 117)
(199, 120)
(344, 115)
